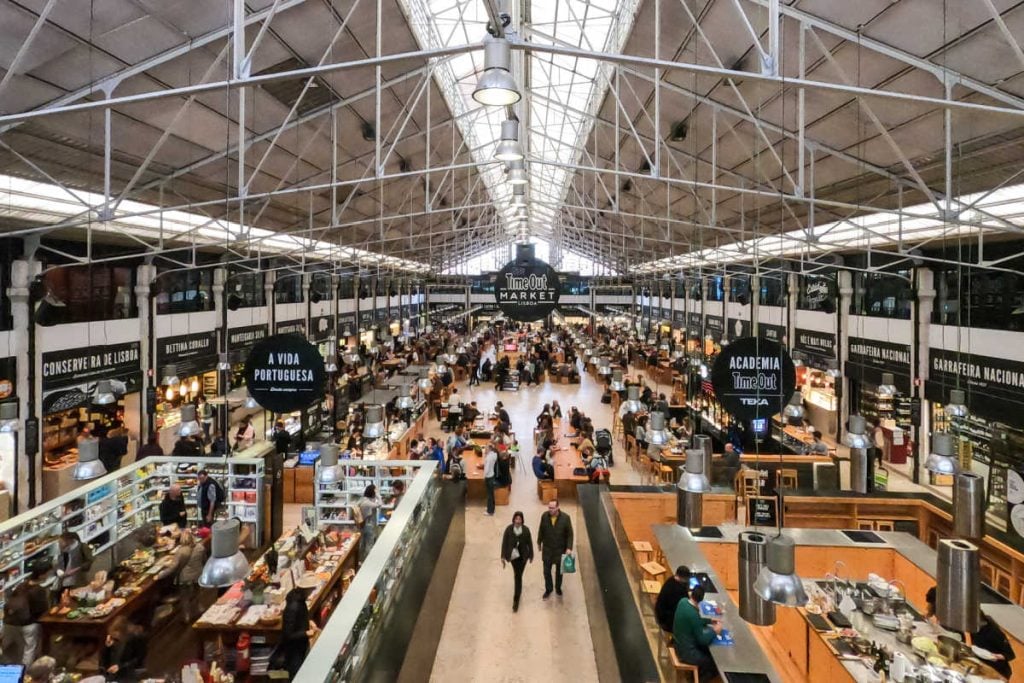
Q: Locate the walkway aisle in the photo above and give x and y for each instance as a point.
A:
(546, 641)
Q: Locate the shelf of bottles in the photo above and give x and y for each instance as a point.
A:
(877, 408)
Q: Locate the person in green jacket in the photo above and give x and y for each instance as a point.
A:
(693, 634)
(554, 539)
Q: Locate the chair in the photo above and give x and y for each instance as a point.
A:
(644, 551)
(666, 475)
(631, 450)
(785, 478)
(683, 670)
(748, 483)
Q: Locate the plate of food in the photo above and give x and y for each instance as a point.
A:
(982, 653)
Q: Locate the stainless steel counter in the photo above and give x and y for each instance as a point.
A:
(745, 655)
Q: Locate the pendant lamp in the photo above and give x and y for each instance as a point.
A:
(188, 426)
(170, 378)
(328, 470)
(942, 459)
(104, 394)
(374, 427)
(89, 465)
(227, 565)
(778, 582)
(657, 435)
(957, 406)
(855, 436)
(496, 87)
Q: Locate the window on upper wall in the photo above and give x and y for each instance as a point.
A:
(772, 291)
(695, 289)
(817, 293)
(882, 295)
(288, 289)
(320, 287)
(739, 289)
(347, 288)
(93, 292)
(679, 288)
(979, 298)
(716, 288)
(245, 290)
(574, 286)
(187, 291)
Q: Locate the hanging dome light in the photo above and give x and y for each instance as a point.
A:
(632, 403)
(517, 173)
(8, 417)
(693, 478)
(887, 388)
(104, 394)
(957, 406)
(424, 382)
(169, 394)
(250, 402)
(942, 459)
(657, 435)
(170, 376)
(89, 465)
(664, 346)
(351, 356)
(188, 426)
(855, 436)
(223, 362)
(328, 470)
(496, 87)
(778, 582)
(617, 383)
(439, 367)
(794, 410)
(331, 364)
(227, 565)
(405, 397)
(374, 426)
(604, 367)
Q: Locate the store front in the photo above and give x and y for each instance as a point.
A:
(816, 352)
(240, 342)
(193, 359)
(347, 330)
(8, 437)
(291, 327)
(867, 360)
(714, 331)
(366, 331)
(320, 417)
(991, 435)
(85, 389)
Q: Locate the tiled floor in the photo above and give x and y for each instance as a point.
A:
(546, 640)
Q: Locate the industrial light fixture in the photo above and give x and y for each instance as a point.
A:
(517, 173)
(753, 554)
(405, 400)
(223, 362)
(604, 366)
(496, 87)
(328, 471)
(942, 459)
(794, 410)
(104, 394)
(855, 436)
(170, 376)
(227, 565)
(194, 387)
(89, 465)
(169, 394)
(693, 478)
(188, 426)
(351, 356)
(424, 382)
(632, 403)
(778, 582)
(657, 435)
(250, 402)
(887, 388)
(374, 426)
(957, 406)
(439, 367)
(617, 383)
(8, 417)
(331, 364)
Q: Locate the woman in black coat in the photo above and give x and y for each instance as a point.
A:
(295, 629)
(517, 548)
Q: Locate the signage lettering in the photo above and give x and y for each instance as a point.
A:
(285, 373)
(753, 378)
(819, 343)
(61, 368)
(527, 289)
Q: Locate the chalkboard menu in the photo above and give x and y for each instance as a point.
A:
(763, 511)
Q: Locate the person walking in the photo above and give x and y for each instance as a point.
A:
(296, 631)
(517, 549)
(490, 474)
(367, 506)
(25, 604)
(554, 539)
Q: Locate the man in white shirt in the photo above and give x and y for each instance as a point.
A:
(490, 469)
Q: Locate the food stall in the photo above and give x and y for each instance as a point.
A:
(817, 355)
(193, 360)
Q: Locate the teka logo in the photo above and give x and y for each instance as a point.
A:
(753, 401)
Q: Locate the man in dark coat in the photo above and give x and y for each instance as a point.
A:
(554, 539)
(674, 590)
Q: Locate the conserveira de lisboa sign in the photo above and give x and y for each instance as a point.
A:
(527, 288)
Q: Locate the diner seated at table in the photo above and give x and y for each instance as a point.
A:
(693, 634)
(989, 637)
(542, 469)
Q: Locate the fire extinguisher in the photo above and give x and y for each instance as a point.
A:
(242, 657)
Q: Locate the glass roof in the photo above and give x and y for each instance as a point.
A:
(561, 94)
(494, 259)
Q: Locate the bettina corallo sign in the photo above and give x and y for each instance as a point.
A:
(526, 288)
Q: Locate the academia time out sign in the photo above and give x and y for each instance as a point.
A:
(285, 373)
(527, 289)
(753, 378)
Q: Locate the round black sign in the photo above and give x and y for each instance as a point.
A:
(285, 373)
(527, 289)
(753, 378)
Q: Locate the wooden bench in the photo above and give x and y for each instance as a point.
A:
(547, 490)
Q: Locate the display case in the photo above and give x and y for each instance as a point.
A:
(880, 408)
(335, 501)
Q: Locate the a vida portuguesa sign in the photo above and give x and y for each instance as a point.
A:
(285, 373)
(753, 378)
(527, 289)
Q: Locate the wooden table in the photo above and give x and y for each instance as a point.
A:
(566, 461)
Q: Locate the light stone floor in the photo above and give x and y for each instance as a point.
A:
(483, 640)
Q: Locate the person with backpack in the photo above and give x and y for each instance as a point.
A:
(211, 496)
(24, 606)
(455, 444)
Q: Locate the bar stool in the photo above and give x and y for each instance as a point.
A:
(749, 484)
(666, 475)
(683, 670)
(786, 478)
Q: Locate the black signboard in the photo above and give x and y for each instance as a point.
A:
(8, 377)
(365, 318)
(679, 320)
(994, 386)
(763, 511)
(73, 366)
(346, 325)
(666, 313)
(775, 333)
(285, 373)
(815, 343)
(192, 354)
(738, 328)
(321, 327)
(291, 327)
(753, 378)
(714, 326)
(867, 359)
(526, 288)
(693, 325)
(381, 314)
(243, 338)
